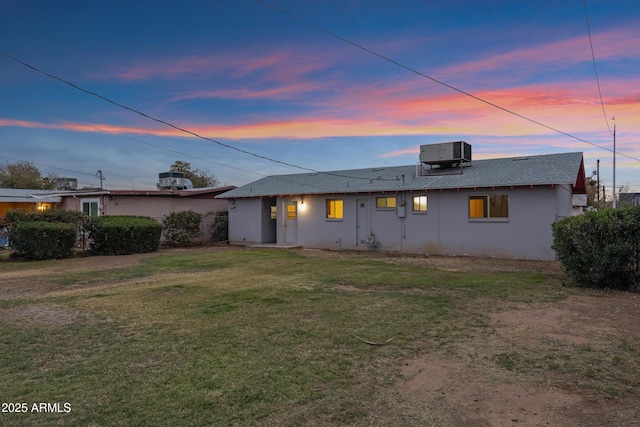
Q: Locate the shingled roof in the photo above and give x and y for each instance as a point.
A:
(549, 169)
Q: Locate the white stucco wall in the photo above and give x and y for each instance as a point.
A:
(444, 229)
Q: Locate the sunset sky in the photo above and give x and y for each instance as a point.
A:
(272, 94)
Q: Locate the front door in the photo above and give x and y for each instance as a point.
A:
(290, 214)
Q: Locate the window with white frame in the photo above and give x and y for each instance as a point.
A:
(420, 204)
(91, 207)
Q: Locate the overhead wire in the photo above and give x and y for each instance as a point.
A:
(171, 125)
(433, 79)
(48, 166)
(130, 138)
(267, 158)
(595, 68)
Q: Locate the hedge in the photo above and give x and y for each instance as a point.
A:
(181, 228)
(600, 248)
(40, 240)
(123, 235)
(48, 215)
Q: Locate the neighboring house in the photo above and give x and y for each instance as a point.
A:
(153, 203)
(29, 200)
(629, 199)
(497, 207)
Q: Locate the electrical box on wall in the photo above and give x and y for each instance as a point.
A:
(402, 211)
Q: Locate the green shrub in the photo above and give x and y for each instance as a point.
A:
(122, 235)
(49, 215)
(220, 227)
(181, 228)
(600, 248)
(39, 240)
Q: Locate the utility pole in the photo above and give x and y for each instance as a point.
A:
(614, 164)
(598, 174)
(99, 175)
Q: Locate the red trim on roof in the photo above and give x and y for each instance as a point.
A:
(580, 187)
(169, 193)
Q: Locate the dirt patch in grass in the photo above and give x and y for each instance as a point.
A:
(37, 280)
(468, 396)
(554, 364)
(524, 373)
(41, 315)
(450, 263)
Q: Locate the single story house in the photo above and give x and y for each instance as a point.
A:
(629, 199)
(498, 207)
(25, 199)
(152, 203)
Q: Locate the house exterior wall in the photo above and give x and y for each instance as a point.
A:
(151, 206)
(444, 229)
(246, 222)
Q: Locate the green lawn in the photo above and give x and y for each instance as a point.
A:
(246, 337)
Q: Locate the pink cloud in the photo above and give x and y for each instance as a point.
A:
(278, 92)
(282, 65)
(614, 44)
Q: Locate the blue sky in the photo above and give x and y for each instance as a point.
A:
(248, 76)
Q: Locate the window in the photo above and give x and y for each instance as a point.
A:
(334, 209)
(91, 207)
(385, 202)
(274, 212)
(491, 206)
(419, 203)
(292, 212)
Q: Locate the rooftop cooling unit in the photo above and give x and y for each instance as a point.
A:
(67, 184)
(446, 154)
(173, 181)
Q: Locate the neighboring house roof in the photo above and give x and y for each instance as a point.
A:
(191, 192)
(169, 193)
(12, 195)
(550, 169)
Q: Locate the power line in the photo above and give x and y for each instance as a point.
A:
(49, 166)
(129, 138)
(595, 69)
(189, 132)
(146, 143)
(440, 82)
(142, 142)
(147, 116)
